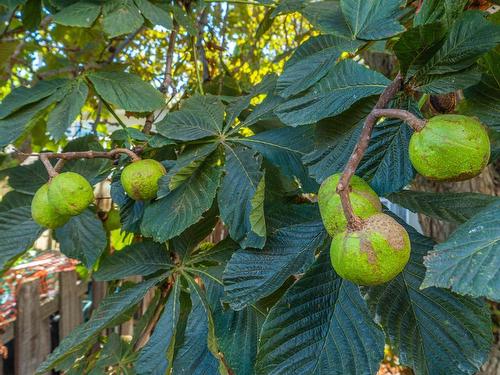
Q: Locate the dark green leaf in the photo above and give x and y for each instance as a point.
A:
(199, 117)
(14, 199)
(121, 17)
(433, 330)
(373, 19)
(252, 274)
(469, 261)
(26, 179)
(154, 14)
(32, 14)
(470, 36)
(184, 205)
(438, 84)
(106, 314)
(23, 96)
(18, 231)
(66, 110)
(321, 325)
(153, 357)
(284, 148)
(138, 259)
(194, 357)
(346, 83)
(417, 45)
(238, 189)
(311, 61)
(327, 17)
(127, 91)
(79, 14)
(439, 10)
(452, 207)
(83, 238)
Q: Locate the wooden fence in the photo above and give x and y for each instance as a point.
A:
(31, 331)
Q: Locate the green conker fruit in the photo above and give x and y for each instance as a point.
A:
(140, 179)
(43, 212)
(372, 255)
(450, 148)
(70, 193)
(364, 200)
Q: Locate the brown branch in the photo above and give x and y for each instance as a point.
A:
(90, 154)
(415, 123)
(48, 166)
(353, 221)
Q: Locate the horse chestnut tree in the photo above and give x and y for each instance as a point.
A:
(293, 127)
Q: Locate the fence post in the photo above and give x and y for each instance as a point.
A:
(27, 328)
(70, 309)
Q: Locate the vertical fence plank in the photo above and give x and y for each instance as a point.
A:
(70, 308)
(27, 328)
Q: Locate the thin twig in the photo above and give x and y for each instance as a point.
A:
(413, 121)
(72, 155)
(353, 221)
(48, 166)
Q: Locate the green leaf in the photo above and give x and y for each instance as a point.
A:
(127, 91)
(14, 199)
(346, 83)
(327, 17)
(321, 325)
(237, 191)
(194, 357)
(185, 204)
(438, 84)
(470, 36)
(284, 148)
(83, 238)
(79, 14)
(257, 219)
(121, 17)
(439, 10)
(248, 278)
(452, 207)
(433, 331)
(32, 14)
(106, 314)
(199, 117)
(373, 19)
(18, 231)
(236, 331)
(23, 96)
(417, 45)
(311, 61)
(469, 261)
(185, 20)
(66, 110)
(483, 101)
(26, 179)
(153, 357)
(138, 259)
(154, 14)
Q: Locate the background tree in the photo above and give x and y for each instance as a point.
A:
(250, 106)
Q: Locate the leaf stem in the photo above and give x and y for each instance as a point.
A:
(196, 67)
(353, 221)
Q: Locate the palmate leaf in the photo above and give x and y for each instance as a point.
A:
(127, 91)
(311, 61)
(138, 259)
(252, 274)
(153, 357)
(439, 10)
(433, 331)
(182, 207)
(346, 83)
(321, 325)
(154, 14)
(199, 117)
(79, 14)
(66, 110)
(438, 84)
(18, 231)
(83, 238)
(373, 19)
(469, 261)
(106, 315)
(284, 148)
(452, 207)
(236, 196)
(26, 179)
(327, 17)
